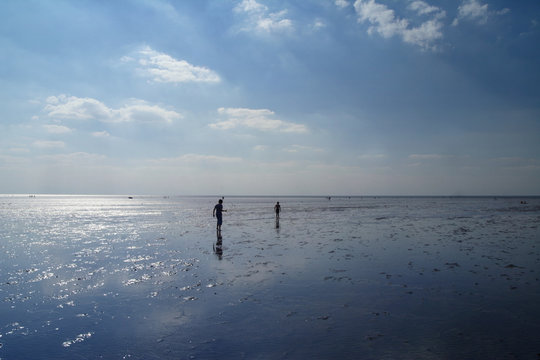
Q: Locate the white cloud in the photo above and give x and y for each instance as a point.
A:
(425, 34)
(472, 10)
(71, 107)
(259, 119)
(44, 144)
(251, 6)
(140, 111)
(75, 108)
(164, 68)
(342, 3)
(384, 21)
(302, 148)
(318, 24)
(57, 129)
(423, 8)
(101, 134)
(261, 20)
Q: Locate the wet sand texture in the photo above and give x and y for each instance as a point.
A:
(348, 278)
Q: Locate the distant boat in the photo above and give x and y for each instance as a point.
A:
(130, 197)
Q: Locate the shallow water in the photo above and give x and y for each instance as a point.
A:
(86, 277)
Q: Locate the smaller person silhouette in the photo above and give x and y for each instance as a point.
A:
(277, 209)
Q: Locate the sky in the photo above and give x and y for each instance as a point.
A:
(260, 97)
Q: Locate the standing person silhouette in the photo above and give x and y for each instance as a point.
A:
(277, 209)
(217, 212)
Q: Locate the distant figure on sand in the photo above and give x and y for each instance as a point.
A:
(277, 209)
(218, 209)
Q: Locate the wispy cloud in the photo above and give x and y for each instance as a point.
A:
(19, 150)
(44, 144)
(76, 158)
(517, 162)
(372, 157)
(261, 20)
(101, 134)
(384, 21)
(197, 159)
(10, 160)
(57, 129)
(423, 8)
(428, 156)
(302, 148)
(160, 67)
(472, 10)
(318, 24)
(342, 3)
(75, 108)
(258, 119)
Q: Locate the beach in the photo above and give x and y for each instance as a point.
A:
(113, 277)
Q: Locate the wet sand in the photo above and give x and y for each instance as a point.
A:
(350, 278)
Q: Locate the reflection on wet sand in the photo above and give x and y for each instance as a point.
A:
(218, 245)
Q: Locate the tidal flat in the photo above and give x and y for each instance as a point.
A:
(149, 277)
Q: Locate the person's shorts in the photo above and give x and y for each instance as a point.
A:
(219, 219)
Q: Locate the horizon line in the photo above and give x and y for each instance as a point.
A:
(272, 195)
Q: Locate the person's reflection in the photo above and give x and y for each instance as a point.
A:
(218, 246)
(277, 223)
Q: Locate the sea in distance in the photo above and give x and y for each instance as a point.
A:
(112, 277)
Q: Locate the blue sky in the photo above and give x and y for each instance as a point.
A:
(366, 97)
